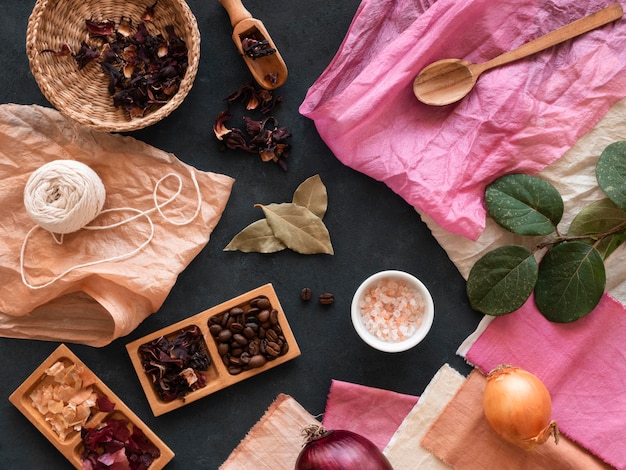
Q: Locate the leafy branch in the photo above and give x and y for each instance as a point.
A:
(566, 272)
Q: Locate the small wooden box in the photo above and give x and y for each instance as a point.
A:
(217, 376)
(71, 447)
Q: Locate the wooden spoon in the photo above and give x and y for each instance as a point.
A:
(268, 71)
(449, 80)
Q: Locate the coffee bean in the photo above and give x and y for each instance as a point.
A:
(224, 336)
(240, 339)
(262, 303)
(223, 349)
(215, 329)
(249, 335)
(272, 348)
(326, 299)
(263, 316)
(236, 311)
(306, 294)
(254, 347)
(274, 316)
(257, 361)
(271, 335)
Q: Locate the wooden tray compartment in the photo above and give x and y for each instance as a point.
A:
(218, 377)
(71, 446)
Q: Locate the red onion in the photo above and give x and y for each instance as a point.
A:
(339, 450)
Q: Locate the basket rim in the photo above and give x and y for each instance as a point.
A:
(102, 124)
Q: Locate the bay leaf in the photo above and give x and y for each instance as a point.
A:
(257, 237)
(298, 228)
(312, 194)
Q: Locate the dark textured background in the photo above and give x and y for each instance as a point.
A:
(371, 229)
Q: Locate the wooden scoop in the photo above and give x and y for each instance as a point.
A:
(449, 80)
(269, 71)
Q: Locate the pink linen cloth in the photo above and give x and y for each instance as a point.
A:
(371, 412)
(519, 118)
(583, 364)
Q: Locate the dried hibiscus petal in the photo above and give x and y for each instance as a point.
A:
(174, 365)
(148, 14)
(256, 48)
(270, 143)
(100, 28)
(144, 70)
(65, 50)
(117, 444)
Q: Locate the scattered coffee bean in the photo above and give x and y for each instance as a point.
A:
(248, 336)
(326, 299)
(306, 294)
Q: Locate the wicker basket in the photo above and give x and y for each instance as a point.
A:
(83, 95)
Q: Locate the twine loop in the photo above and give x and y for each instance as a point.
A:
(65, 196)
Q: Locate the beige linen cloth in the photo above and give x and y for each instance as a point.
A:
(275, 441)
(404, 450)
(96, 304)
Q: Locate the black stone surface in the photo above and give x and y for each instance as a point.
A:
(371, 228)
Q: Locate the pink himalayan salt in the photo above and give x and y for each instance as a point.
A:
(392, 311)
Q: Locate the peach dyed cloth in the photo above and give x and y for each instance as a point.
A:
(519, 118)
(582, 363)
(95, 304)
(462, 438)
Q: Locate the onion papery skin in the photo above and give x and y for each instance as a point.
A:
(340, 450)
(518, 407)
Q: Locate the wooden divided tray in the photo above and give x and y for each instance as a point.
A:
(220, 373)
(70, 445)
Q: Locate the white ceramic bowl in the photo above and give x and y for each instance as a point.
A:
(412, 284)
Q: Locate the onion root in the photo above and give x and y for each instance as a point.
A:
(550, 430)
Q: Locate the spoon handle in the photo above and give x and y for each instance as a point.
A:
(236, 11)
(569, 31)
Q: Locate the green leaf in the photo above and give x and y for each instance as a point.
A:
(571, 282)
(600, 217)
(298, 228)
(502, 280)
(312, 195)
(256, 237)
(611, 173)
(524, 204)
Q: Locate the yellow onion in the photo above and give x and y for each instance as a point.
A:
(518, 407)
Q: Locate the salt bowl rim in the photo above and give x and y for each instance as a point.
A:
(413, 340)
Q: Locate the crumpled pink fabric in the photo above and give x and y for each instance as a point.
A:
(583, 365)
(371, 412)
(519, 118)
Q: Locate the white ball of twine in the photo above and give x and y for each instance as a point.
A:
(63, 196)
